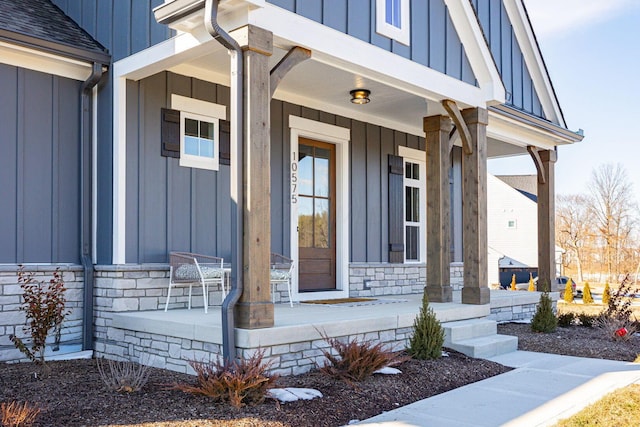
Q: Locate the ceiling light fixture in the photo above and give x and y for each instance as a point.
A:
(360, 96)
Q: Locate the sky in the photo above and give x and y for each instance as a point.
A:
(592, 52)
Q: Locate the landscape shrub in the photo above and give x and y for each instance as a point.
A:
(123, 376)
(544, 320)
(568, 292)
(587, 298)
(566, 319)
(586, 319)
(16, 414)
(428, 334)
(239, 383)
(44, 305)
(355, 360)
(617, 320)
(606, 294)
(532, 284)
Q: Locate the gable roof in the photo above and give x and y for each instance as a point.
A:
(40, 25)
(525, 184)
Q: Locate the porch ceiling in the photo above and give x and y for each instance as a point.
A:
(321, 86)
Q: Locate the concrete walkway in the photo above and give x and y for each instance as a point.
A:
(543, 389)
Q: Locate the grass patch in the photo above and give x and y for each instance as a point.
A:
(620, 408)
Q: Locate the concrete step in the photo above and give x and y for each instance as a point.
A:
(486, 346)
(467, 329)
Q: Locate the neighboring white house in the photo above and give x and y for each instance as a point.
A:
(512, 224)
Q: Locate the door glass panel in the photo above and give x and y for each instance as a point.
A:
(321, 223)
(305, 222)
(305, 170)
(321, 172)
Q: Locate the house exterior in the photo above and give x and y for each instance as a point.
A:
(512, 228)
(242, 127)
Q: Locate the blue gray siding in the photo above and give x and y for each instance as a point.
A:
(434, 41)
(169, 207)
(508, 56)
(39, 167)
(124, 28)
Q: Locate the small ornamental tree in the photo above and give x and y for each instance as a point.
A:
(544, 320)
(587, 298)
(44, 305)
(606, 294)
(568, 292)
(513, 282)
(428, 335)
(532, 284)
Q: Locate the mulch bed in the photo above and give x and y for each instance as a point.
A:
(73, 394)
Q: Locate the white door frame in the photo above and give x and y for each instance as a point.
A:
(340, 137)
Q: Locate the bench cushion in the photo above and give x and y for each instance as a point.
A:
(280, 274)
(189, 272)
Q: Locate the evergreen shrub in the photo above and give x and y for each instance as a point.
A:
(428, 334)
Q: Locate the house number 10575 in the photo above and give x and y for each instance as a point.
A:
(294, 178)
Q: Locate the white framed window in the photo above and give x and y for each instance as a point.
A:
(393, 20)
(512, 224)
(415, 196)
(199, 132)
(199, 141)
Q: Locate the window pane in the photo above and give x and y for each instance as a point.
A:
(190, 127)
(321, 172)
(305, 222)
(321, 223)
(407, 170)
(412, 204)
(392, 13)
(415, 215)
(416, 171)
(206, 148)
(411, 243)
(305, 170)
(191, 145)
(206, 130)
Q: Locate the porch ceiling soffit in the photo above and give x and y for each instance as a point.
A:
(534, 61)
(339, 64)
(510, 132)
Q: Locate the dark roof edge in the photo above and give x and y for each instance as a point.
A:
(537, 122)
(55, 48)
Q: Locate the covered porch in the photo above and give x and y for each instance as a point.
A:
(170, 339)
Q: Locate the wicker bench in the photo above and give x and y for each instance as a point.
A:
(189, 269)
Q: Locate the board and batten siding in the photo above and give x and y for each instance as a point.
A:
(124, 27)
(170, 207)
(434, 40)
(508, 56)
(39, 167)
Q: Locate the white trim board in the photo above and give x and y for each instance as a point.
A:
(301, 127)
(33, 59)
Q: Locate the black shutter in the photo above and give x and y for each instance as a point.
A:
(225, 142)
(396, 211)
(170, 133)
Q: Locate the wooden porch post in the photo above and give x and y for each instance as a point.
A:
(437, 129)
(474, 209)
(255, 309)
(546, 220)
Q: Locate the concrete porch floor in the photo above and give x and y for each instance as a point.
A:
(305, 320)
